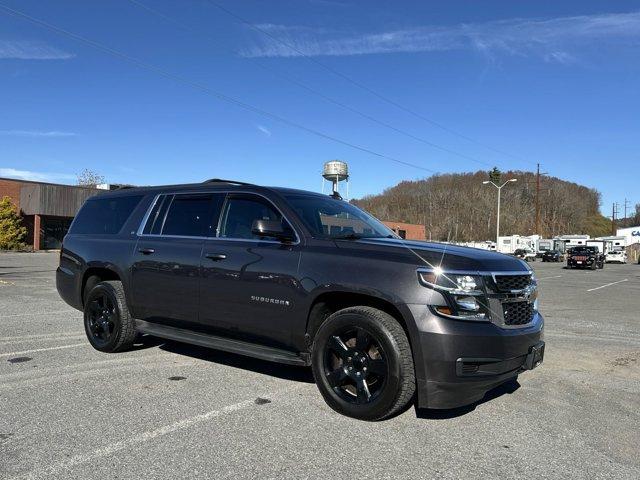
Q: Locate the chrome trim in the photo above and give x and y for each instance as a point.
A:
(476, 272)
(495, 299)
(204, 192)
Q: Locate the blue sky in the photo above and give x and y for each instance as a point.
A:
(474, 84)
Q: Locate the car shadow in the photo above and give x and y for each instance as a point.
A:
(432, 414)
(286, 372)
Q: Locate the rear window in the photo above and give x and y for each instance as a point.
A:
(104, 215)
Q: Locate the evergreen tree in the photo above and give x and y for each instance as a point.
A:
(495, 175)
(12, 232)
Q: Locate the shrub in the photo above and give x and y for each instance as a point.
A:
(12, 232)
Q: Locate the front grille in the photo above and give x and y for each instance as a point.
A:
(517, 313)
(507, 283)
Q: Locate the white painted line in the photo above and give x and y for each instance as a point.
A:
(43, 336)
(10, 354)
(49, 470)
(546, 278)
(607, 285)
(55, 312)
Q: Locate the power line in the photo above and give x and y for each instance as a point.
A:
(359, 84)
(203, 88)
(317, 92)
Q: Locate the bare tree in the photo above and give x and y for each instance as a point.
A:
(89, 178)
(452, 203)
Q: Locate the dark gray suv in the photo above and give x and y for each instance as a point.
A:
(304, 279)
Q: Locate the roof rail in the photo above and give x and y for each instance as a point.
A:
(220, 180)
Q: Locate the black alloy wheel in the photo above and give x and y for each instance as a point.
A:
(101, 318)
(107, 321)
(355, 365)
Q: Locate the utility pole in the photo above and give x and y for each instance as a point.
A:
(537, 232)
(538, 174)
(627, 203)
(614, 211)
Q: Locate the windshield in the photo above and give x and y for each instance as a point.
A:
(585, 249)
(326, 217)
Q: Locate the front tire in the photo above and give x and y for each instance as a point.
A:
(107, 321)
(362, 364)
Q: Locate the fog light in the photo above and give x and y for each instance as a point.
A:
(468, 303)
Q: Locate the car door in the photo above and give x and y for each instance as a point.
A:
(165, 273)
(249, 287)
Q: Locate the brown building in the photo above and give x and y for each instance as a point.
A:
(46, 208)
(409, 231)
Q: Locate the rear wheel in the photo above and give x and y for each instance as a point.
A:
(107, 321)
(362, 363)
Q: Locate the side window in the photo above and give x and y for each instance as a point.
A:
(104, 215)
(156, 217)
(240, 213)
(189, 215)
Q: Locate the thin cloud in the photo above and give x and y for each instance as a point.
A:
(31, 50)
(552, 40)
(36, 133)
(264, 130)
(36, 176)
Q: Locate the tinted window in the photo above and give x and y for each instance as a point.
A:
(240, 213)
(104, 215)
(189, 215)
(156, 217)
(326, 217)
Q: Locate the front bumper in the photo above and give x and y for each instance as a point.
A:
(583, 263)
(463, 360)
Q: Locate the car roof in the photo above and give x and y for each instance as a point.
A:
(208, 186)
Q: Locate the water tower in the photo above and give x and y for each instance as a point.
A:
(336, 171)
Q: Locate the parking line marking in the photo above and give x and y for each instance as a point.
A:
(132, 441)
(607, 285)
(37, 313)
(43, 336)
(42, 349)
(545, 278)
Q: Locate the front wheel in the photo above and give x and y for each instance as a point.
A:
(362, 363)
(107, 321)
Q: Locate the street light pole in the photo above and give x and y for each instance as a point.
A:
(499, 192)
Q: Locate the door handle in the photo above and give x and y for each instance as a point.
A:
(216, 257)
(146, 251)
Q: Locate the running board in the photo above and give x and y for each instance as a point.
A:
(226, 344)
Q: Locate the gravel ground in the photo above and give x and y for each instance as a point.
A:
(168, 410)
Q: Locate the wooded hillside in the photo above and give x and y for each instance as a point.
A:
(459, 207)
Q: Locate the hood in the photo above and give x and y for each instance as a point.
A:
(452, 257)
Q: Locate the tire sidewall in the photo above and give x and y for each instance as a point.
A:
(107, 289)
(387, 397)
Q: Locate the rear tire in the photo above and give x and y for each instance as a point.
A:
(107, 321)
(362, 364)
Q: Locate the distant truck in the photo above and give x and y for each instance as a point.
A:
(585, 257)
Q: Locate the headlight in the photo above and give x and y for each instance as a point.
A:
(465, 294)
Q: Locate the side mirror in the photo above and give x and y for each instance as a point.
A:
(271, 228)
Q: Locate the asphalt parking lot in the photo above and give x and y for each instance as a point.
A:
(170, 411)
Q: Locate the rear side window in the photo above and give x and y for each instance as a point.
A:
(188, 215)
(104, 215)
